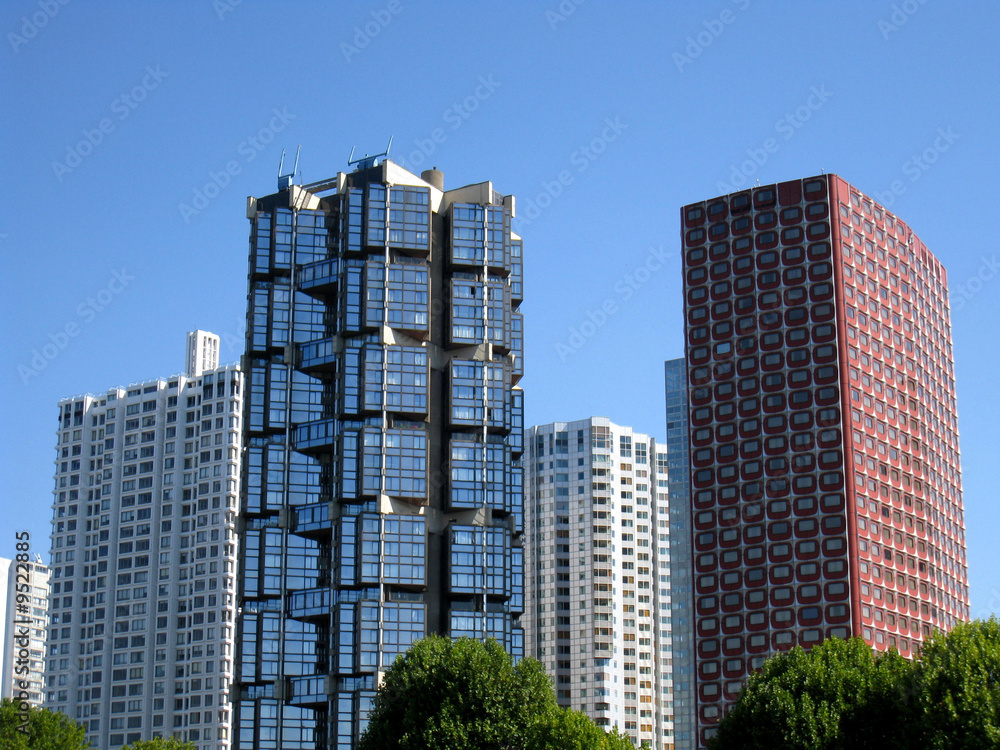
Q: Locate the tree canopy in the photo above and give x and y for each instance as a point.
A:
(829, 697)
(955, 689)
(469, 695)
(160, 743)
(46, 730)
(842, 695)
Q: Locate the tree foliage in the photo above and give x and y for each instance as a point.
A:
(955, 689)
(46, 730)
(160, 743)
(566, 729)
(830, 697)
(841, 695)
(469, 695)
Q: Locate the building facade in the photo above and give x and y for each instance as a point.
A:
(143, 590)
(597, 562)
(24, 626)
(681, 572)
(825, 485)
(382, 476)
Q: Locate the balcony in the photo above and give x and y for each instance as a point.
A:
(310, 605)
(316, 437)
(313, 521)
(318, 356)
(319, 279)
(310, 692)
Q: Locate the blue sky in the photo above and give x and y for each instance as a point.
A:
(134, 132)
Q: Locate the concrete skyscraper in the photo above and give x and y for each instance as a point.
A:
(825, 478)
(597, 562)
(25, 625)
(142, 588)
(382, 493)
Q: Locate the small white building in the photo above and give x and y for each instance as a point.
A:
(24, 625)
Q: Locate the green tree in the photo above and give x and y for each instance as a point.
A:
(616, 740)
(566, 729)
(469, 695)
(955, 690)
(160, 743)
(46, 730)
(837, 696)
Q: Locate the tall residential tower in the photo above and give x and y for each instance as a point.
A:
(142, 598)
(826, 486)
(597, 562)
(382, 493)
(24, 607)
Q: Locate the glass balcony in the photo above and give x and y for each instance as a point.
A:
(316, 437)
(313, 520)
(319, 279)
(317, 356)
(310, 604)
(309, 691)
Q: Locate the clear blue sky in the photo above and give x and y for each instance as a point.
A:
(626, 111)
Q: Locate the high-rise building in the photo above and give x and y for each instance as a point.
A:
(382, 493)
(142, 597)
(825, 484)
(681, 580)
(597, 562)
(24, 608)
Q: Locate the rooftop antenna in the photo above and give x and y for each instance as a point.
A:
(285, 180)
(366, 161)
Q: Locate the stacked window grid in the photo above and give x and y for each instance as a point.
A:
(141, 638)
(355, 410)
(676, 481)
(773, 281)
(597, 572)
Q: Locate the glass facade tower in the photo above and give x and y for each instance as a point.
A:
(384, 432)
(681, 603)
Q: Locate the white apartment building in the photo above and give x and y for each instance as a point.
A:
(596, 565)
(143, 567)
(23, 628)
